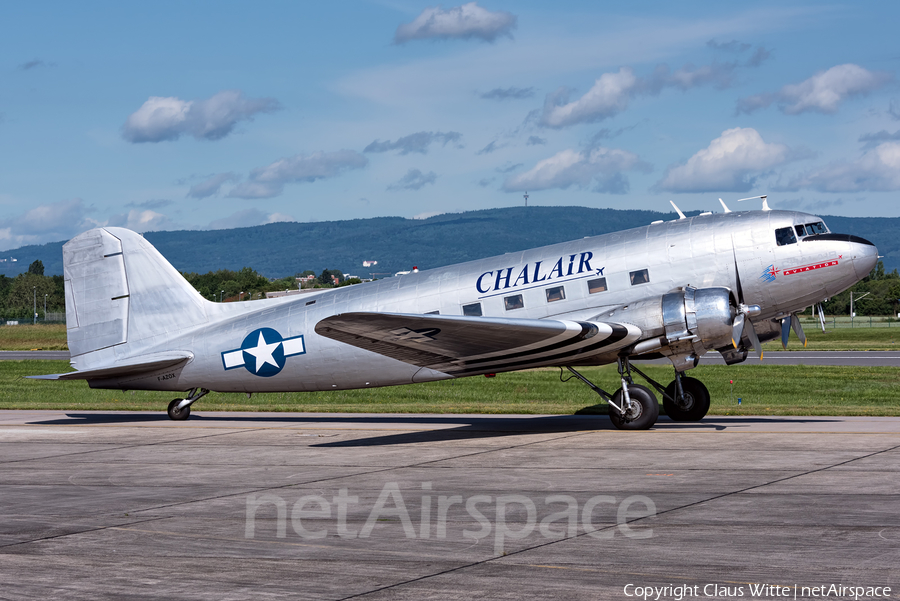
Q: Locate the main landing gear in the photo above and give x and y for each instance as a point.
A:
(180, 409)
(633, 407)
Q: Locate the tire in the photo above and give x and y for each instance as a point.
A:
(696, 397)
(646, 409)
(178, 414)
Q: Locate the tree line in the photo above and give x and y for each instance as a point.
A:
(22, 295)
(227, 285)
(878, 293)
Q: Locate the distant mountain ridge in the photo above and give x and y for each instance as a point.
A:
(398, 244)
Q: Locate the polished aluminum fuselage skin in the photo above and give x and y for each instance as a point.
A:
(735, 250)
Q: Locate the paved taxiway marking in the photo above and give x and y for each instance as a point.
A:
(610, 527)
(119, 448)
(85, 531)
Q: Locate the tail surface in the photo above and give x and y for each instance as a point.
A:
(120, 290)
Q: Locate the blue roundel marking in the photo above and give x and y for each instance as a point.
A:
(263, 352)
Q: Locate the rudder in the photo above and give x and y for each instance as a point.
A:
(121, 290)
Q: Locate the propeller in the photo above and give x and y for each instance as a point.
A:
(791, 322)
(743, 326)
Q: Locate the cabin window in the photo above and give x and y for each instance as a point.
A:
(785, 236)
(598, 285)
(641, 276)
(801, 230)
(514, 302)
(473, 310)
(433, 313)
(312, 302)
(557, 293)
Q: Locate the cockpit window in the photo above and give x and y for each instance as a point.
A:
(818, 227)
(811, 229)
(785, 235)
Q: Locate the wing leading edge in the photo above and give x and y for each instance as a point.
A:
(465, 346)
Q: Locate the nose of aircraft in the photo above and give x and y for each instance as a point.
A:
(864, 254)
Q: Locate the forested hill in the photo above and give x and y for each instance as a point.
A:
(282, 249)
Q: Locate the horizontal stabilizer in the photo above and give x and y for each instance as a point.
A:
(128, 367)
(461, 346)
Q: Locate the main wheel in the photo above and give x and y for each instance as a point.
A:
(695, 403)
(176, 413)
(641, 415)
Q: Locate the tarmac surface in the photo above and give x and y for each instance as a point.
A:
(130, 505)
(860, 358)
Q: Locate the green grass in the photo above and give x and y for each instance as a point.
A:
(841, 339)
(764, 389)
(44, 337)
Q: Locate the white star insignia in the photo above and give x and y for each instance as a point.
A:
(263, 353)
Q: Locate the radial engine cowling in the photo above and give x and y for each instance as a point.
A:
(706, 314)
(682, 324)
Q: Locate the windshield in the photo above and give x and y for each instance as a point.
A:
(811, 229)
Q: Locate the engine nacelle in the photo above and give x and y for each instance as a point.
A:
(705, 313)
(683, 324)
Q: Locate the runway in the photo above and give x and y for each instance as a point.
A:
(836, 358)
(106, 505)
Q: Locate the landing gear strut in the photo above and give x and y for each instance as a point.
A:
(685, 399)
(690, 403)
(632, 407)
(180, 409)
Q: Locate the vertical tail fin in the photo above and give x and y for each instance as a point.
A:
(120, 290)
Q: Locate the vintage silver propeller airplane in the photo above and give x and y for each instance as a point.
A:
(676, 289)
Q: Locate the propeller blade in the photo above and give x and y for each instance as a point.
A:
(798, 329)
(785, 331)
(754, 339)
(822, 317)
(737, 329)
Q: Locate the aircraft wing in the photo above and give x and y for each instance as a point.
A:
(127, 367)
(463, 346)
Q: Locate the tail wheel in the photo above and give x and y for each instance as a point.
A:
(693, 406)
(642, 413)
(176, 413)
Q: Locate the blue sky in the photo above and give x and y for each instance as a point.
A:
(174, 115)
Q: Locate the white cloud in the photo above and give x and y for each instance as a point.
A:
(414, 180)
(877, 170)
(247, 218)
(211, 185)
(417, 142)
(46, 223)
(141, 221)
(612, 92)
(167, 118)
(512, 93)
(279, 217)
(603, 166)
(256, 190)
(609, 95)
(823, 92)
(269, 181)
(466, 21)
(731, 163)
